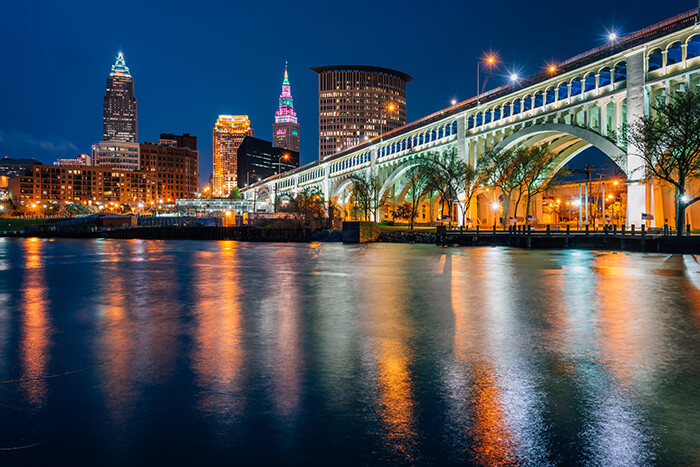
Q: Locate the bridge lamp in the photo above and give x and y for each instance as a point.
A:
(514, 77)
(612, 36)
(453, 101)
(552, 68)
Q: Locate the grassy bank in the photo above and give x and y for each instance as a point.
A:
(405, 228)
(11, 224)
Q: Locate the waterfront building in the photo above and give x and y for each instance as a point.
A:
(82, 159)
(357, 103)
(116, 155)
(83, 184)
(119, 108)
(184, 140)
(228, 134)
(175, 168)
(285, 130)
(259, 159)
(13, 167)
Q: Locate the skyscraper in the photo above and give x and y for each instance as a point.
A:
(119, 109)
(356, 103)
(229, 131)
(285, 130)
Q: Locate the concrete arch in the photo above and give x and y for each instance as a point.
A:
(341, 187)
(396, 175)
(544, 131)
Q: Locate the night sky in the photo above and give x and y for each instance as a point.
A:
(192, 61)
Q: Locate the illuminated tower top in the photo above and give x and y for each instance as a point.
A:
(119, 68)
(285, 112)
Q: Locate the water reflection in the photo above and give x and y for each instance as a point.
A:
(35, 335)
(218, 356)
(389, 326)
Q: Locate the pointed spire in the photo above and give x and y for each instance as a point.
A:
(285, 82)
(119, 67)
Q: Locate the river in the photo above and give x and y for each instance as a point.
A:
(193, 352)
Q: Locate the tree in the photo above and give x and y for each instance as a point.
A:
(537, 164)
(472, 179)
(307, 207)
(668, 142)
(235, 193)
(503, 168)
(446, 174)
(404, 211)
(366, 190)
(419, 179)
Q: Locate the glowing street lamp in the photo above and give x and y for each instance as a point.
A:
(495, 207)
(514, 77)
(453, 101)
(612, 36)
(390, 108)
(552, 69)
(490, 61)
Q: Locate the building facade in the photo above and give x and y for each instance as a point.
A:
(83, 184)
(357, 103)
(82, 159)
(116, 155)
(228, 134)
(175, 169)
(285, 130)
(119, 108)
(258, 159)
(184, 140)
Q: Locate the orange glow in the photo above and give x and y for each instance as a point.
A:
(218, 354)
(552, 68)
(491, 60)
(391, 107)
(35, 325)
(615, 182)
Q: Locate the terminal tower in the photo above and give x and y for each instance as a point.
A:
(285, 130)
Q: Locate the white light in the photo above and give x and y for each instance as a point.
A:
(612, 36)
(514, 77)
(684, 198)
(494, 205)
(577, 202)
(453, 102)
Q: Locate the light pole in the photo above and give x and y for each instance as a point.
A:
(489, 61)
(390, 108)
(495, 207)
(279, 162)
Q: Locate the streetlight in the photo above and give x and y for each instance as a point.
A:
(453, 101)
(390, 108)
(490, 60)
(495, 207)
(552, 69)
(612, 36)
(284, 156)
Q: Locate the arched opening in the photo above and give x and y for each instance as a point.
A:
(605, 77)
(674, 53)
(539, 99)
(656, 60)
(620, 72)
(470, 122)
(527, 103)
(550, 96)
(506, 110)
(589, 82)
(577, 152)
(563, 91)
(693, 48)
(496, 114)
(517, 107)
(576, 87)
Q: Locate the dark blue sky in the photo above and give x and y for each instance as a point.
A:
(192, 61)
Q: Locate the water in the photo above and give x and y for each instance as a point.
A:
(243, 353)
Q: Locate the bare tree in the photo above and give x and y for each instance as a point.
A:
(668, 142)
(446, 173)
(419, 179)
(366, 190)
(504, 169)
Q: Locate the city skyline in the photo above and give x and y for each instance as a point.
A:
(178, 98)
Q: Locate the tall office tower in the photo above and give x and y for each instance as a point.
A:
(119, 109)
(285, 130)
(356, 103)
(229, 132)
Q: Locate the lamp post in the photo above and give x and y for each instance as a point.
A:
(390, 108)
(490, 60)
(279, 162)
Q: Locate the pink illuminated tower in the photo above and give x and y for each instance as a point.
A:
(285, 130)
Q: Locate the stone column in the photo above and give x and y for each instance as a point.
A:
(636, 187)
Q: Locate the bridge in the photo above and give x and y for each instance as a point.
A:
(584, 103)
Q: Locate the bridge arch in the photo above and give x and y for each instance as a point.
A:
(569, 141)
